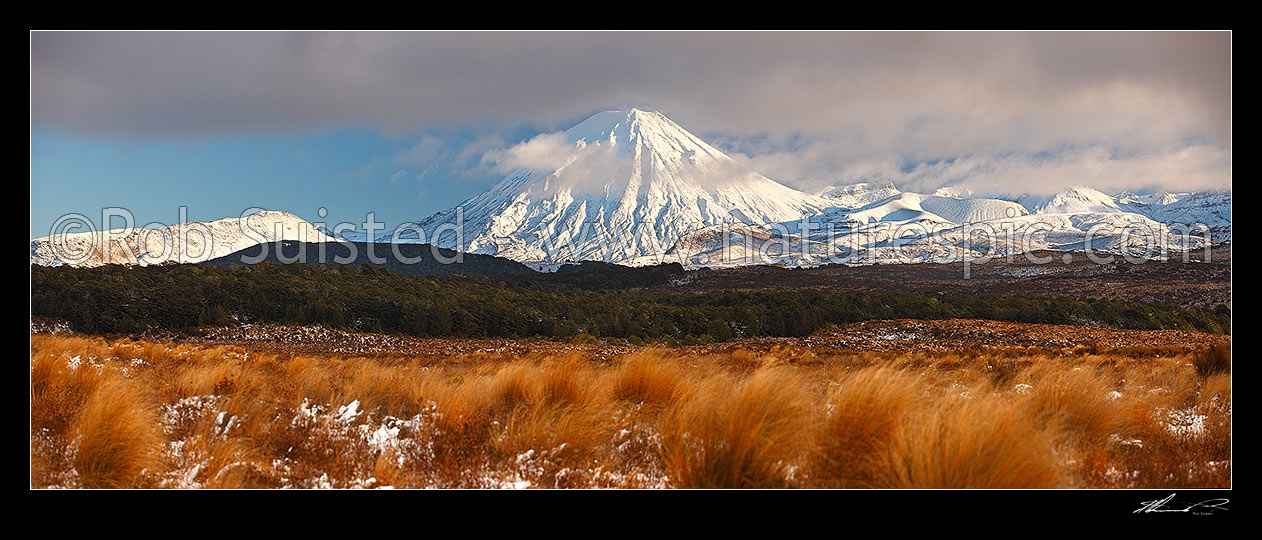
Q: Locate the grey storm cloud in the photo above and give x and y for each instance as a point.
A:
(852, 96)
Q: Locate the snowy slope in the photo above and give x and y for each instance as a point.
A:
(858, 195)
(635, 184)
(902, 207)
(188, 243)
(929, 240)
(959, 210)
(1105, 231)
(1073, 200)
(916, 207)
(1209, 207)
(956, 192)
(1127, 198)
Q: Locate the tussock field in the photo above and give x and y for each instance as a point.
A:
(137, 414)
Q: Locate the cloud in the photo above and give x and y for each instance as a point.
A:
(543, 152)
(197, 82)
(426, 149)
(449, 155)
(366, 172)
(1199, 167)
(575, 165)
(808, 108)
(1176, 167)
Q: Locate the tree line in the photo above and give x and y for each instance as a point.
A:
(121, 299)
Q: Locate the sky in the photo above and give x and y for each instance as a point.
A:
(403, 124)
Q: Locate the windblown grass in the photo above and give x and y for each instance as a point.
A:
(1214, 360)
(116, 437)
(737, 434)
(864, 412)
(141, 414)
(973, 443)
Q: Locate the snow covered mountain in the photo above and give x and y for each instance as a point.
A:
(188, 243)
(632, 187)
(953, 224)
(633, 184)
(1163, 198)
(913, 228)
(635, 188)
(914, 206)
(1073, 200)
(1212, 208)
(858, 195)
(1186, 210)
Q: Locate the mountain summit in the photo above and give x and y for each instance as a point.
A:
(622, 184)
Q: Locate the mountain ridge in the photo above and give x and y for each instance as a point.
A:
(632, 187)
(183, 243)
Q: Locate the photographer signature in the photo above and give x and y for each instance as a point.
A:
(1200, 508)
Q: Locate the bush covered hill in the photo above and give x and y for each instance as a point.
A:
(600, 301)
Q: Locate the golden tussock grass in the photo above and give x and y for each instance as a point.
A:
(973, 443)
(863, 413)
(1214, 360)
(1073, 401)
(737, 433)
(516, 384)
(648, 378)
(566, 381)
(140, 414)
(116, 437)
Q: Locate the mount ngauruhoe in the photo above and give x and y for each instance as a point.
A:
(632, 187)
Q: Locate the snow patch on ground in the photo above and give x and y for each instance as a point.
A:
(1185, 422)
